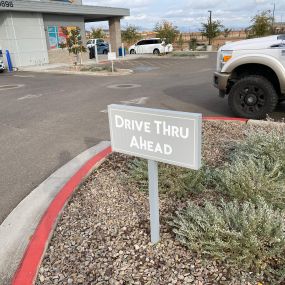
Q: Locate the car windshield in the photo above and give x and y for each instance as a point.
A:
(89, 42)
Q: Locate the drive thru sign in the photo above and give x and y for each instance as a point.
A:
(157, 135)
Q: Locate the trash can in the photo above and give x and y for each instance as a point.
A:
(121, 51)
(92, 52)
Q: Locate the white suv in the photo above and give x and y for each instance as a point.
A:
(154, 46)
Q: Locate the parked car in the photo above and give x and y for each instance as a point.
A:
(102, 46)
(252, 74)
(2, 66)
(201, 47)
(154, 46)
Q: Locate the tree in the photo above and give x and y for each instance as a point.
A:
(73, 42)
(193, 44)
(180, 41)
(167, 31)
(130, 35)
(211, 30)
(227, 32)
(97, 33)
(262, 25)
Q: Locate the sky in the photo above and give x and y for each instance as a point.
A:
(188, 15)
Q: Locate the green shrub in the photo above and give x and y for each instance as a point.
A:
(184, 54)
(173, 180)
(269, 146)
(256, 168)
(94, 68)
(246, 236)
(247, 180)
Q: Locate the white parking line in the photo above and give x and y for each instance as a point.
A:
(137, 101)
(131, 62)
(148, 63)
(24, 76)
(7, 87)
(30, 96)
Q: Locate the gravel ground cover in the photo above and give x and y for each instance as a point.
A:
(103, 235)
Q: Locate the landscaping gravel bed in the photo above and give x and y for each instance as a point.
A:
(103, 236)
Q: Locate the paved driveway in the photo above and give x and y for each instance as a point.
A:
(50, 119)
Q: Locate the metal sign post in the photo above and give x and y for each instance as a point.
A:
(112, 57)
(123, 51)
(96, 53)
(153, 201)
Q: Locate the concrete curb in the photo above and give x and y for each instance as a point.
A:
(26, 231)
(121, 72)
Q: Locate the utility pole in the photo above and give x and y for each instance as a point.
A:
(273, 18)
(211, 28)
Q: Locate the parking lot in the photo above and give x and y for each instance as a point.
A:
(47, 119)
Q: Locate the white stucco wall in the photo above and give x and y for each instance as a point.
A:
(23, 35)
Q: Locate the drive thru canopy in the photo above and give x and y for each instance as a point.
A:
(29, 28)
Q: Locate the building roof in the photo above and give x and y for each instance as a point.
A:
(90, 13)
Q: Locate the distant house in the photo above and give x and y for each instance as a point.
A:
(279, 28)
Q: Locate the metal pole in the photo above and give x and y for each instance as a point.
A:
(112, 66)
(96, 53)
(153, 201)
(123, 51)
(273, 17)
(211, 28)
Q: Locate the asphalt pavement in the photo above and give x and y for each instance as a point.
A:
(48, 119)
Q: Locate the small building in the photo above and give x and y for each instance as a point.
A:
(30, 29)
(279, 28)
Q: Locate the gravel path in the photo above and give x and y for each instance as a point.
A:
(103, 234)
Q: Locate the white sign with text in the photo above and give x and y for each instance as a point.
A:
(159, 135)
(112, 56)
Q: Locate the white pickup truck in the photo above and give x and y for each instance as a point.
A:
(252, 74)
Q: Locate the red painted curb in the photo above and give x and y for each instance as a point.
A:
(31, 261)
(224, 119)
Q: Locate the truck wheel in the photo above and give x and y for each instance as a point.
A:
(253, 97)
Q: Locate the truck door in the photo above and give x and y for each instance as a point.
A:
(281, 49)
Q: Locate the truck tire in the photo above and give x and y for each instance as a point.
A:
(253, 97)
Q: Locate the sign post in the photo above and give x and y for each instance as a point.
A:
(153, 201)
(96, 54)
(156, 135)
(112, 57)
(123, 50)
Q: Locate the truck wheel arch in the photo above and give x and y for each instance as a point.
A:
(258, 65)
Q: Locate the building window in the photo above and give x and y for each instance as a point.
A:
(56, 37)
